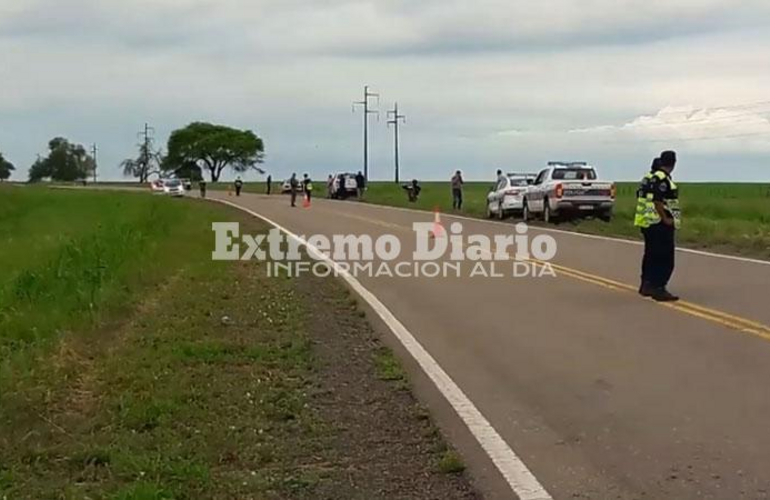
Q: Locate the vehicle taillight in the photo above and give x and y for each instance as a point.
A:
(613, 191)
(559, 191)
(512, 192)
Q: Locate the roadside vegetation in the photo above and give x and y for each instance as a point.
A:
(134, 367)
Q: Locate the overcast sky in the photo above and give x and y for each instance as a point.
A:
(485, 84)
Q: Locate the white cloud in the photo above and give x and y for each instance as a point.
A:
(484, 83)
(740, 128)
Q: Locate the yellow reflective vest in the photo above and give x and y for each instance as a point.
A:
(646, 215)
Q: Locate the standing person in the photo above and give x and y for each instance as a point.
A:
(457, 191)
(658, 216)
(330, 187)
(307, 187)
(238, 186)
(360, 185)
(293, 186)
(202, 187)
(269, 184)
(500, 176)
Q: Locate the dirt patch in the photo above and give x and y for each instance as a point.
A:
(386, 444)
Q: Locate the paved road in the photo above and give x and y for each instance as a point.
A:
(602, 394)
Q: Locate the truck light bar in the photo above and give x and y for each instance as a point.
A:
(567, 164)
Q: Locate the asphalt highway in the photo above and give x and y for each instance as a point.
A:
(602, 394)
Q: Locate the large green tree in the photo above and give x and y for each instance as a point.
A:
(65, 162)
(6, 168)
(214, 148)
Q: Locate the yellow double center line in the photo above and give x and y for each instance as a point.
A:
(713, 315)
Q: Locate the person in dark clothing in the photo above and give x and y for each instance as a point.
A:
(293, 186)
(412, 190)
(238, 186)
(658, 216)
(307, 187)
(360, 185)
(269, 184)
(457, 191)
(202, 187)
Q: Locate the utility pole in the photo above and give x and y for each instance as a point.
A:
(395, 119)
(94, 151)
(365, 103)
(146, 136)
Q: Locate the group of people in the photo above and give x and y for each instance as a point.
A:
(340, 190)
(305, 186)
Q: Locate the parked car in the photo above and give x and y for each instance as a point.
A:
(344, 186)
(569, 189)
(507, 195)
(173, 187)
(286, 186)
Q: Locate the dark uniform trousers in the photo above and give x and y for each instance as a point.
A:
(659, 254)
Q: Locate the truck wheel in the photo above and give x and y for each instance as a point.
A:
(606, 216)
(548, 215)
(525, 215)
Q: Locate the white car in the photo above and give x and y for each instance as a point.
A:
(344, 186)
(286, 186)
(569, 189)
(507, 196)
(173, 187)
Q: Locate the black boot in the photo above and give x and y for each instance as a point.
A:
(663, 295)
(646, 290)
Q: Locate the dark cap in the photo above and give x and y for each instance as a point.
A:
(655, 164)
(667, 159)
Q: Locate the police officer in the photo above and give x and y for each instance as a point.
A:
(293, 187)
(658, 217)
(238, 186)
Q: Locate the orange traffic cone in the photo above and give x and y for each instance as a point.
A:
(306, 202)
(438, 230)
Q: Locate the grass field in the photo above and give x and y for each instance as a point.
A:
(132, 367)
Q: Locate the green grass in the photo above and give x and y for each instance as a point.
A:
(727, 217)
(451, 463)
(81, 256)
(121, 380)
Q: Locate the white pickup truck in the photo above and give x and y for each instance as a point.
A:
(569, 189)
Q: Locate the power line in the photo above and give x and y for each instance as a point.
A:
(394, 120)
(365, 103)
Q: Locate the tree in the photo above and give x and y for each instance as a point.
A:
(214, 147)
(6, 168)
(65, 162)
(149, 162)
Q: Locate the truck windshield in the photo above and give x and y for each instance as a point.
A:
(574, 174)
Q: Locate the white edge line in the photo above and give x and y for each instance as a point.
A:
(522, 482)
(574, 233)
